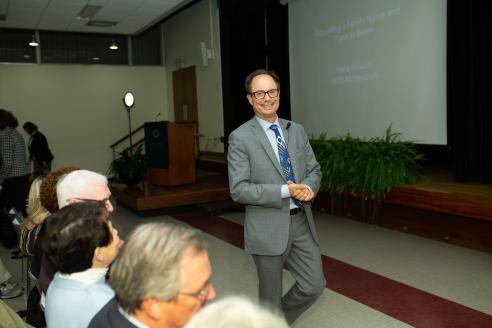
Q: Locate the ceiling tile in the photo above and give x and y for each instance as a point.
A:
(132, 15)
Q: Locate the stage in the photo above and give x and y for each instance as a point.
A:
(442, 209)
(437, 207)
(144, 197)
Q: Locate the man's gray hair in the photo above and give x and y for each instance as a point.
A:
(150, 262)
(76, 185)
(237, 312)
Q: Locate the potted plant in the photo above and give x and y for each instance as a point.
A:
(129, 166)
(365, 169)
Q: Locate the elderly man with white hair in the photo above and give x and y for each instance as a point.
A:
(83, 186)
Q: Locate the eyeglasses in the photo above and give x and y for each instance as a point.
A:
(272, 93)
(106, 201)
(202, 294)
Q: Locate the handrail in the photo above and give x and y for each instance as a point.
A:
(127, 136)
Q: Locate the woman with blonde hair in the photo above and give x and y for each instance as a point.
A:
(36, 213)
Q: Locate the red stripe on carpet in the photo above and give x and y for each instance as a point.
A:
(408, 304)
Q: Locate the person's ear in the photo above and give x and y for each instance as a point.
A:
(152, 308)
(72, 201)
(98, 254)
(250, 99)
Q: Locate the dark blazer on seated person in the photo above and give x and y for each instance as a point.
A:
(110, 317)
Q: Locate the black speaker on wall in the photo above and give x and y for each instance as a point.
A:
(156, 144)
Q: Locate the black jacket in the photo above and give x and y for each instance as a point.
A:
(110, 317)
(38, 148)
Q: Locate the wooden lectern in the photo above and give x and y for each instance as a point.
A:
(181, 158)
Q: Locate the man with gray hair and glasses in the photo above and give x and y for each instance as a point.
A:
(83, 186)
(161, 278)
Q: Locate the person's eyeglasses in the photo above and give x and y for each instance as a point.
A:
(105, 201)
(272, 93)
(202, 294)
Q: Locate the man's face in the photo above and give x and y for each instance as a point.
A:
(267, 107)
(111, 251)
(196, 291)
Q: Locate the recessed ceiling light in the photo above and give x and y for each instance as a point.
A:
(95, 58)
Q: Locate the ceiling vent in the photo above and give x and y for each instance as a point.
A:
(88, 12)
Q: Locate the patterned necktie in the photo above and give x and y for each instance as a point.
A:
(283, 155)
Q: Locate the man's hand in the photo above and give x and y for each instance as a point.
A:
(300, 191)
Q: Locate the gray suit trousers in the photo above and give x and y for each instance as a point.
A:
(304, 261)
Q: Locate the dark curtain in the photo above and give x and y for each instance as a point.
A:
(470, 89)
(253, 34)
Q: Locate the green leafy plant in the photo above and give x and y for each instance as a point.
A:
(366, 169)
(129, 166)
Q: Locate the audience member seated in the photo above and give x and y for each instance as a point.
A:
(36, 213)
(83, 186)
(74, 185)
(48, 187)
(41, 267)
(80, 241)
(161, 278)
(29, 237)
(237, 312)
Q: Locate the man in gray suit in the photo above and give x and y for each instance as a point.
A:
(273, 171)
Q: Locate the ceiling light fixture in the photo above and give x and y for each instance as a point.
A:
(113, 45)
(33, 42)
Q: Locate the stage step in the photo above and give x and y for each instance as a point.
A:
(149, 197)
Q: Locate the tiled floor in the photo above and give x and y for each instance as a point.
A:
(454, 273)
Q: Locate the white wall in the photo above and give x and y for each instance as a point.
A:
(182, 36)
(79, 107)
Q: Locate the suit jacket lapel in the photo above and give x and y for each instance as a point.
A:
(265, 143)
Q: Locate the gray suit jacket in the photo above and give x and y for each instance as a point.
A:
(255, 179)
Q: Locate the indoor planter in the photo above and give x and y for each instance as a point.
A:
(365, 169)
(129, 166)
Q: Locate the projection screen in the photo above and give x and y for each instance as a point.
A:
(358, 66)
